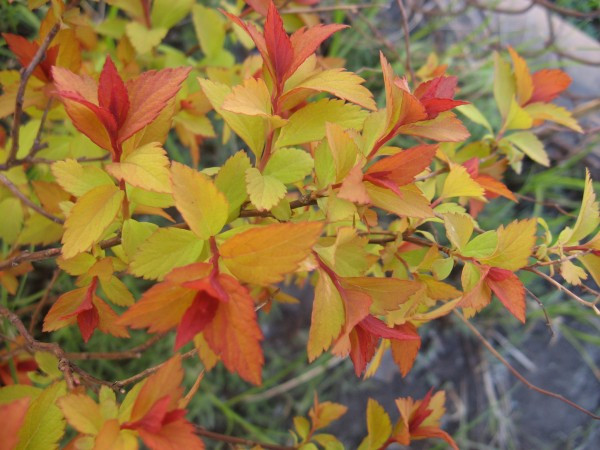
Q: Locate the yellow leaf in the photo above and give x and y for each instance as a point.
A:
(90, 218)
(529, 144)
(142, 38)
(146, 167)
(308, 123)
(459, 228)
(379, 426)
(588, 218)
(515, 245)
(524, 82)
(411, 204)
(504, 84)
(343, 148)
(265, 191)
(166, 249)
(342, 84)
(201, 204)
(82, 413)
(572, 273)
(517, 118)
(264, 255)
(328, 317)
(252, 98)
(77, 179)
(553, 113)
(459, 183)
(252, 129)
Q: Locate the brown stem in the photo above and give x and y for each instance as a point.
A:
(26, 74)
(134, 353)
(15, 190)
(238, 441)
(409, 69)
(517, 374)
(40, 305)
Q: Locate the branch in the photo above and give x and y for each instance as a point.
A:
(134, 353)
(238, 441)
(15, 190)
(517, 374)
(40, 305)
(35, 61)
(406, 29)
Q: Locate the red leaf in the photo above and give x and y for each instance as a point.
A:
(548, 84)
(87, 313)
(364, 345)
(112, 93)
(509, 290)
(25, 51)
(434, 106)
(437, 95)
(403, 167)
(421, 413)
(153, 419)
(379, 328)
(148, 95)
(178, 434)
(278, 44)
(434, 432)
(494, 187)
(305, 42)
(201, 312)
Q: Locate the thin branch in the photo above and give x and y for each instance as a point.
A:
(517, 374)
(40, 305)
(134, 353)
(26, 74)
(351, 8)
(539, 302)
(406, 29)
(15, 190)
(238, 441)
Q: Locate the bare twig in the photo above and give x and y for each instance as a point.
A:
(26, 74)
(238, 441)
(134, 353)
(408, 64)
(517, 374)
(15, 190)
(539, 302)
(40, 305)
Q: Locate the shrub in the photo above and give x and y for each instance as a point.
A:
(319, 194)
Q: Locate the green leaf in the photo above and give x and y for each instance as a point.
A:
(302, 426)
(14, 392)
(481, 246)
(48, 363)
(44, 423)
(166, 249)
(210, 29)
(265, 191)
(12, 219)
(504, 84)
(378, 425)
(289, 165)
(308, 123)
(230, 181)
(166, 13)
(588, 218)
(471, 112)
(77, 179)
(529, 144)
(134, 233)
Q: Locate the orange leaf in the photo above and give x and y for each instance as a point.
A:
(548, 84)
(278, 44)
(403, 167)
(509, 290)
(234, 334)
(405, 352)
(13, 416)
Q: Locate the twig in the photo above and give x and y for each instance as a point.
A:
(238, 441)
(406, 40)
(40, 305)
(352, 8)
(15, 190)
(517, 374)
(26, 74)
(539, 302)
(134, 353)
(574, 296)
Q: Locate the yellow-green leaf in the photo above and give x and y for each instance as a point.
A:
(588, 218)
(459, 183)
(82, 413)
(529, 144)
(231, 181)
(517, 118)
(411, 204)
(90, 217)
(515, 245)
(553, 113)
(265, 191)
(504, 84)
(289, 165)
(459, 228)
(201, 204)
(77, 179)
(146, 167)
(379, 426)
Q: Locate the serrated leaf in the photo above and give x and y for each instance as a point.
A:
(142, 38)
(529, 144)
(328, 317)
(379, 426)
(289, 165)
(459, 228)
(265, 254)
(588, 218)
(517, 118)
(474, 115)
(411, 204)
(201, 204)
(264, 191)
(481, 246)
(82, 413)
(553, 113)
(146, 167)
(166, 249)
(90, 217)
(515, 245)
(134, 233)
(343, 150)
(504, 84)
(308, 123)
(231, 181)
(77, 179)
(459, 183)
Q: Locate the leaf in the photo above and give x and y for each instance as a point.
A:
(146, 167)
(504, 84)
(548, 84)
(143, 39)
(343, 149)
(405, 352)
(588, 218)
(44, 424)
(523, 80)
(201, 204)
(234, 334)
(289, 165)
(515, 245)
(353, 189)
(167, 13)
(509, 290)
(323, 413)
(116, 291)
(278, 44)
(149, 94)
(328, 317)
(263, 255)
(529, 144)
(411, 204)
(252, 98)
(210, 30)
(553, 113)
(89, 218)
(165, 250)
(342, 84)
(82, 413)
(13, 417)
(572, 273)
(77, 179)
(403, 167)
(231, 181)
(264, 191)
(133, 234)
(474, 115)
(252, 129)
(308, 123)
(459, 228)
(446, 127)
(481, 246)
(459, 183)
(518, 118)
(379, 426)
(387, 294)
